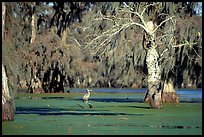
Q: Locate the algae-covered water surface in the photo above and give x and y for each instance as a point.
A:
(111, 114)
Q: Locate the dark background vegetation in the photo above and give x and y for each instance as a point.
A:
(64, 29)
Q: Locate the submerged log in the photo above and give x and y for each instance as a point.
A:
(7, 102)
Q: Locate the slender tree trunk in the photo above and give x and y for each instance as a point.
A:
(3, 18)
(33, 24)
(7, 107)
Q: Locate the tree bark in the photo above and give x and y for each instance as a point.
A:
(154, 77)
(7, 103)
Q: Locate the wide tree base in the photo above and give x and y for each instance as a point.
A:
(170, 97)
(169, 93)
(7, 112)
(155, 102)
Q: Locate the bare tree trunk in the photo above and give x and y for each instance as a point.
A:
(154, 71)
(154, 76)
(7, 104)
(3, 18)
(33, 23)
(7, 107)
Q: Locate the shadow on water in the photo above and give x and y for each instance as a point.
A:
(127, 100)
(191, 101)
(138, 100)
(146, 126)
(53, 98)
(114, 100)
(58, 111)
(139, 107)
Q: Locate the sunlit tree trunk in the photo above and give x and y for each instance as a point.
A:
(154, 77)
(33, 24)
(3, 18)
(7, 107)
(154, 71)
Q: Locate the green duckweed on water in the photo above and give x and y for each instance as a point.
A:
(111, 114)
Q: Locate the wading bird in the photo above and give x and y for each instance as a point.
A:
(86, 97)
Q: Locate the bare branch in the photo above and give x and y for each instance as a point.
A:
(113, 33)
(119, 26)
(127, 6)
(180, 45)
(143, 25)
(197, 54)
(163, 52)
(102, 35)
(109, 38)
(139, 15)
(76, 41)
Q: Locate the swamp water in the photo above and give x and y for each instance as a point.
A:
(115, 111)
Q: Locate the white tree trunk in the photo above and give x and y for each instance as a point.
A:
(154, 78)
(5, 89)
(3, 18)
(7, 108)
(154, 72)
(33, 24)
